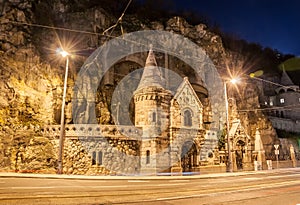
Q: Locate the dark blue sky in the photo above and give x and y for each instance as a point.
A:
(271, 23)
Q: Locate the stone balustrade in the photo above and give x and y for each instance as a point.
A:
(93, 130)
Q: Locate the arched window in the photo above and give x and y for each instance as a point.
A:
(148, 157)
(99, 159)
(154, 117)
(94, 158)
(187, 118)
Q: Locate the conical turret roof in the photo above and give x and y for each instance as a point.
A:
(151, 61)
(152, 75)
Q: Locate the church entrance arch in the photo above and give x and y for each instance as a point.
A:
(188, 156)
(239, 154)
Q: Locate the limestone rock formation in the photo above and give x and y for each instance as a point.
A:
(32, 78)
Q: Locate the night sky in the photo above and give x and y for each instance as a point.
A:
(271, 23)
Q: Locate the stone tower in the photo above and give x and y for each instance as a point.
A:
(152, 111)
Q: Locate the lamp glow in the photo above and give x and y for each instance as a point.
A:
(234, 80)
(62, 52)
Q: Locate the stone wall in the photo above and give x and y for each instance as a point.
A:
(27, 151)
(209, 151)
(118, 156)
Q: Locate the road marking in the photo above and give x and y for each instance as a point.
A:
(171, 198)
(137, 181)
(169, 184)
(31, 187)
(250, 188)
(178, 180)
(93, 181)
(252, 178)
(113, 186)
(289, 175)
(50, 187)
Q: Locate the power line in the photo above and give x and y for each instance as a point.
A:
(273, 83)
(118, 21)
(138, 43)
(288, 107)
(58, 28)
(107, 35)
(134, 42)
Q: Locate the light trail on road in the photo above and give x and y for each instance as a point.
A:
(180, 190)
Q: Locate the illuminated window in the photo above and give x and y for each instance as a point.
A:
(271, 103)
(281, 100)
(187, 118)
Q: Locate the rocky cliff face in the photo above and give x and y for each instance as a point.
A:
(31, 76)
(30, 92)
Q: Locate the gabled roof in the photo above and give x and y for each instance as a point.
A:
(180, 89)
(152, 75)
(235, 126)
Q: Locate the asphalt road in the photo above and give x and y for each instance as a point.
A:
(274, 187)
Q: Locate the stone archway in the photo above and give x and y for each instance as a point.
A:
(239, 154)
(188, 157)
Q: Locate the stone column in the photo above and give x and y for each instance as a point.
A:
(175, 158)
(293, 157)
(247, 160)
(259, 149)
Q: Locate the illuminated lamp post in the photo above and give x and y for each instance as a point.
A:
(64, 54)
(229, 167)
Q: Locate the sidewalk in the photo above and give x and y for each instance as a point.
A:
(84, 177)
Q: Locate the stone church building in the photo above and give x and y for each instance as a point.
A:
(172, 123)
(170, 135)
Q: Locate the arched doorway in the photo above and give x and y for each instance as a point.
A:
(239, 154)
(188, 157)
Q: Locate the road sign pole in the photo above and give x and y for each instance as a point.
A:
(277, 154)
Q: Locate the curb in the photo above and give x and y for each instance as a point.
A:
(138, 177)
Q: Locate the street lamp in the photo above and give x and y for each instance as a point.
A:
(229, 163)
(64, 54)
